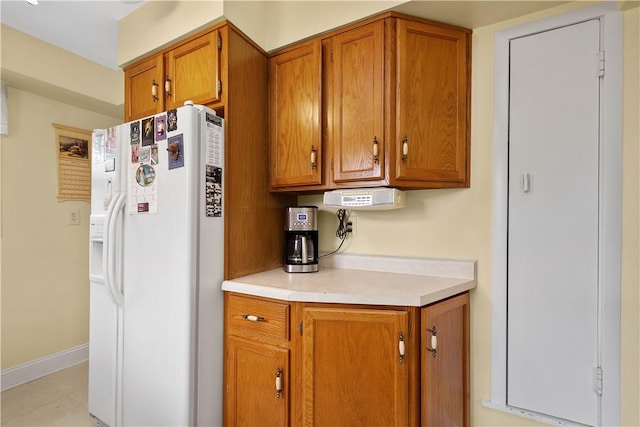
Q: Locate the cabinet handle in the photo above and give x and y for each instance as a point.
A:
(526, 185)
(278, 383)
(154, 90)
(167, 86)
(313, 157)
(401, 347)
(375, 149)
(434, 341)
(405, 149)
(253, 318)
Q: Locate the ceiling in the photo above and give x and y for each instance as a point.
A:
(86, 28)
(89, 28)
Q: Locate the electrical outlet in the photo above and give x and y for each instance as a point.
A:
(352, 223)
(74, 217)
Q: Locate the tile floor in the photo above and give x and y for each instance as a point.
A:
(59, 399)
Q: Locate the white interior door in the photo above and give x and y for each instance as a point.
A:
(552, 254)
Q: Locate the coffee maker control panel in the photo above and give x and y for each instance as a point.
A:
(302, 219)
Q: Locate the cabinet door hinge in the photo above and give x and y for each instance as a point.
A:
(219, 87)
(219, 42)
(601, 64)
(597, 380)
(300, 328)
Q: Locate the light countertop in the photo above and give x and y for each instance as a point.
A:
(364, 279)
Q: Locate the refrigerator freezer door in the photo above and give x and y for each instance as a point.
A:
(104, 313)
(103, 338)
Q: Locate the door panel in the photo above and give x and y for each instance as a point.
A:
(358, 60)
(431, 103)
(160, 286)
(252, 369)
(445, 371)
(144, 90)
(553, 222)
(352, 372)
(193, 71)
(295, 139)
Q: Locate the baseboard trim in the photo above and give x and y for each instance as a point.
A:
(37, 368)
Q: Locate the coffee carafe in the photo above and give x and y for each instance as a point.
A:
(301, 239)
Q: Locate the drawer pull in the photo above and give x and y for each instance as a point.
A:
(434, 341)
(253, 318)
(278, 383)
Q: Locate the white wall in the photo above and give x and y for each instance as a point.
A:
(45, 288)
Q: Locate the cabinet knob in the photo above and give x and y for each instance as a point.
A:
(405, 149)
(167, 86)
(154, 90)
(278, 383)
(401, 347)
(434, 341)
(375, 149)
(313, 157)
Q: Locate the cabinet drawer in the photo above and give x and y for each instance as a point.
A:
(249, 317)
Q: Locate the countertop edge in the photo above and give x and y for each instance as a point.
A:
(290, 295)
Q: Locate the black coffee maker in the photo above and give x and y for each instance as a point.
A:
(301, 239)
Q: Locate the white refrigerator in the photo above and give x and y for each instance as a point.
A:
(156, 268)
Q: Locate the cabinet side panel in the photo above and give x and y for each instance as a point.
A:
(255, 217)
(445, 373)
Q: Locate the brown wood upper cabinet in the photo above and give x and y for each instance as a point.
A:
(194, 66)
(189, 70)
(294, 93)
(393, 92)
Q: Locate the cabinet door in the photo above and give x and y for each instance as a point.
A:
(295, 139)
(143, 88)
(358, 98)
(445, 362)
(251, 398)
(193, 71)
(353, 373)
(432, 141)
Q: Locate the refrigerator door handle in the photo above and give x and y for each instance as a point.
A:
(114, 212)
(106, 243)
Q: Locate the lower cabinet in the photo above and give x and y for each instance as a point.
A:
(445, 362)
(257, 392)
(346, 365)
(354, 367)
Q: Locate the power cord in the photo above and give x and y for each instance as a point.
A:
(342, 230)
